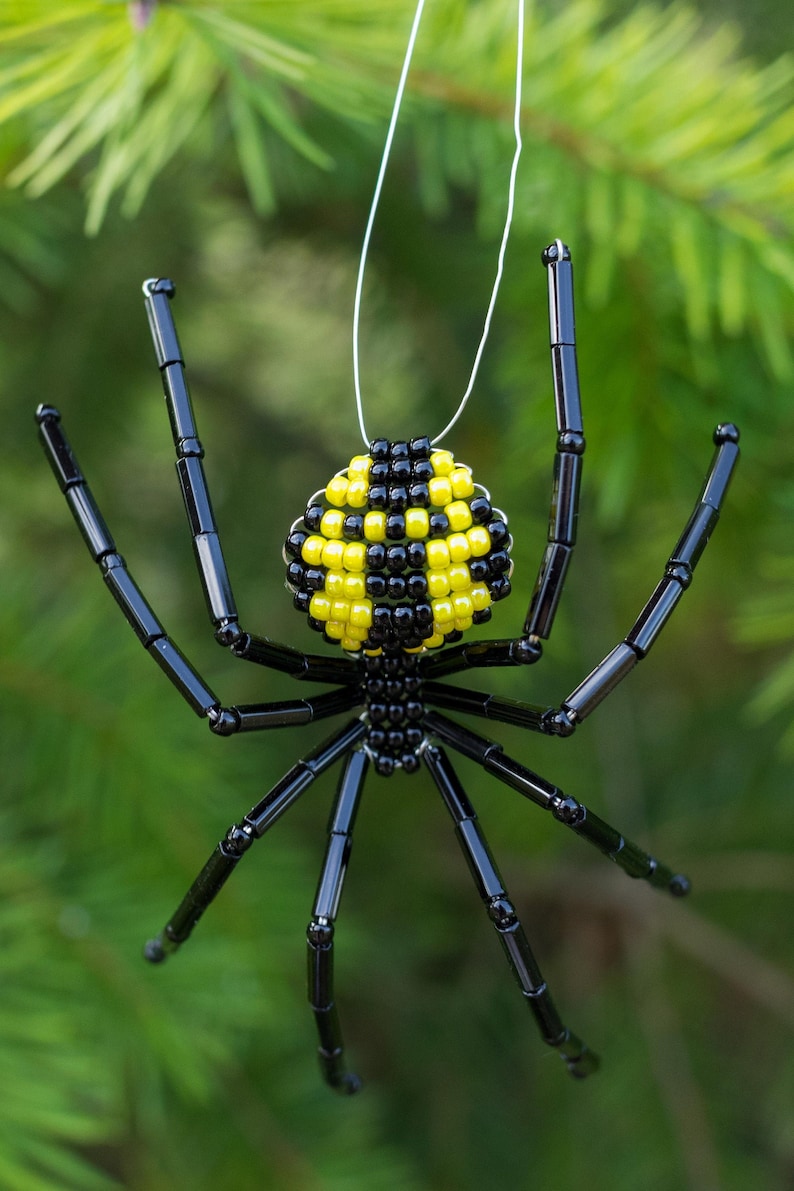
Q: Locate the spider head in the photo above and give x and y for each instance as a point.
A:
(402, 550)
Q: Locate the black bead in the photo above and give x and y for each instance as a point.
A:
(379, 472)
(317, 625)
(376, 687)
(419, 495)
(498, 561)
(417, 585)
(498, 531)
(478, 569)
(353, 526)
(393, 664)
(378, 711)
(384, 765)
(481, 509)
(395, 739)
(376, 738)
(481, 616)
(314, 579)
(396, 713)
(412, 683)
(413, 736)
(398, 450)
(398, 497)
(376, 585)
(395, 526)
(294, 543)
(453, 637)
(394, 689)
(500, 587)
(396, 559)
(414, 709)
(301, 600)
(400, 471)
(376, 556)
(423, 470)
(416, 554)
(439, 524)
(423, 612)
(396, 587)
(410, 762)
(313, 516)
(379, 448)
(381, 617)
(295, 574)
(419, 448)
(403, 619)
(378, 496)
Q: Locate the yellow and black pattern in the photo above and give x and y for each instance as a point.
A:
(401, 549)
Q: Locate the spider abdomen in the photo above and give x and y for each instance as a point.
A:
(400, 551)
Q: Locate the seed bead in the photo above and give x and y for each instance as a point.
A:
(332, 523)
(336, 491)
(443, 462)
(312, 549)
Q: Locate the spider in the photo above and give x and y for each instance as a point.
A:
(392, 562)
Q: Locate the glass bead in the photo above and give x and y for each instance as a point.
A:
(333, 555)
(355, 556)
(358, 493)
(312, 549)
(459, 548)
(459, 515)
(462, 483)
(459, 577)
(417, 523)
(438, 582)
(340, 610)
(334, 583)
(479, 540)
(354, 587)
(332, 523)
(359, 466)
(361, 613)
(440, 491)
(320, 606)
(437, 553)
(443, 462)
(336, 491)
(375, 526)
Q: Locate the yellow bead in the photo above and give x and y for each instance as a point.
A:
(356, 632)
(459, 548)
(335, 583)
(312, 550)
(373, 653)
(462, 607)
(440, 491)
(462, 483)
(335, 629)
(434, 642)
(463, 623)
(340, 610)
(480, 596)
(443, 462)
(437, 553)
(355, 556)
(459, 515)
(479, 540)
(375, 526)
(355, 587)
(336, 491)
(361, 613)
(320, 606)
(350, 644)
(437, 582)
(357, 493)
(459, 577)
(443, 626)
(442, 610)
(417, 523)
(332, 523)
(358, 468)
(333, 554)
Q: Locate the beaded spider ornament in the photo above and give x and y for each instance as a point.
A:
(392, 562)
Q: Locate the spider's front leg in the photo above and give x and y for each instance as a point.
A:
(224, 721)
(207, 549)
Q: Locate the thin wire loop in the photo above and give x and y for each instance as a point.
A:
(511, 192)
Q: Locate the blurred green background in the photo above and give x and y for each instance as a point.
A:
(234, 147)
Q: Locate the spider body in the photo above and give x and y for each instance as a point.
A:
(393, 562)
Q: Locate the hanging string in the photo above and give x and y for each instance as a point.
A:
(511, 191)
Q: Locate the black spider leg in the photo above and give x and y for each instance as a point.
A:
(320, 933)
(580, 1060)
(564, 509)
(652, 619)
(207, 549)
(240, 836)
(225, 721)
(567, 810)
(566, 481)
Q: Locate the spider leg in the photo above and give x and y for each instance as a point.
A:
(659, 608)
(240, 836)
(617, 664)
(207, 549)
(580, 1060)
(144, 622)
(568, 460)
(320, 932)
(567, 810)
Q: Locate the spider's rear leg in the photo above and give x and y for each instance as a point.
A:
(567, 810)
(579, 1059)
(320, 933)
(240, 836)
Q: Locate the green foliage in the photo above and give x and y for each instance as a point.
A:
(666, 160)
